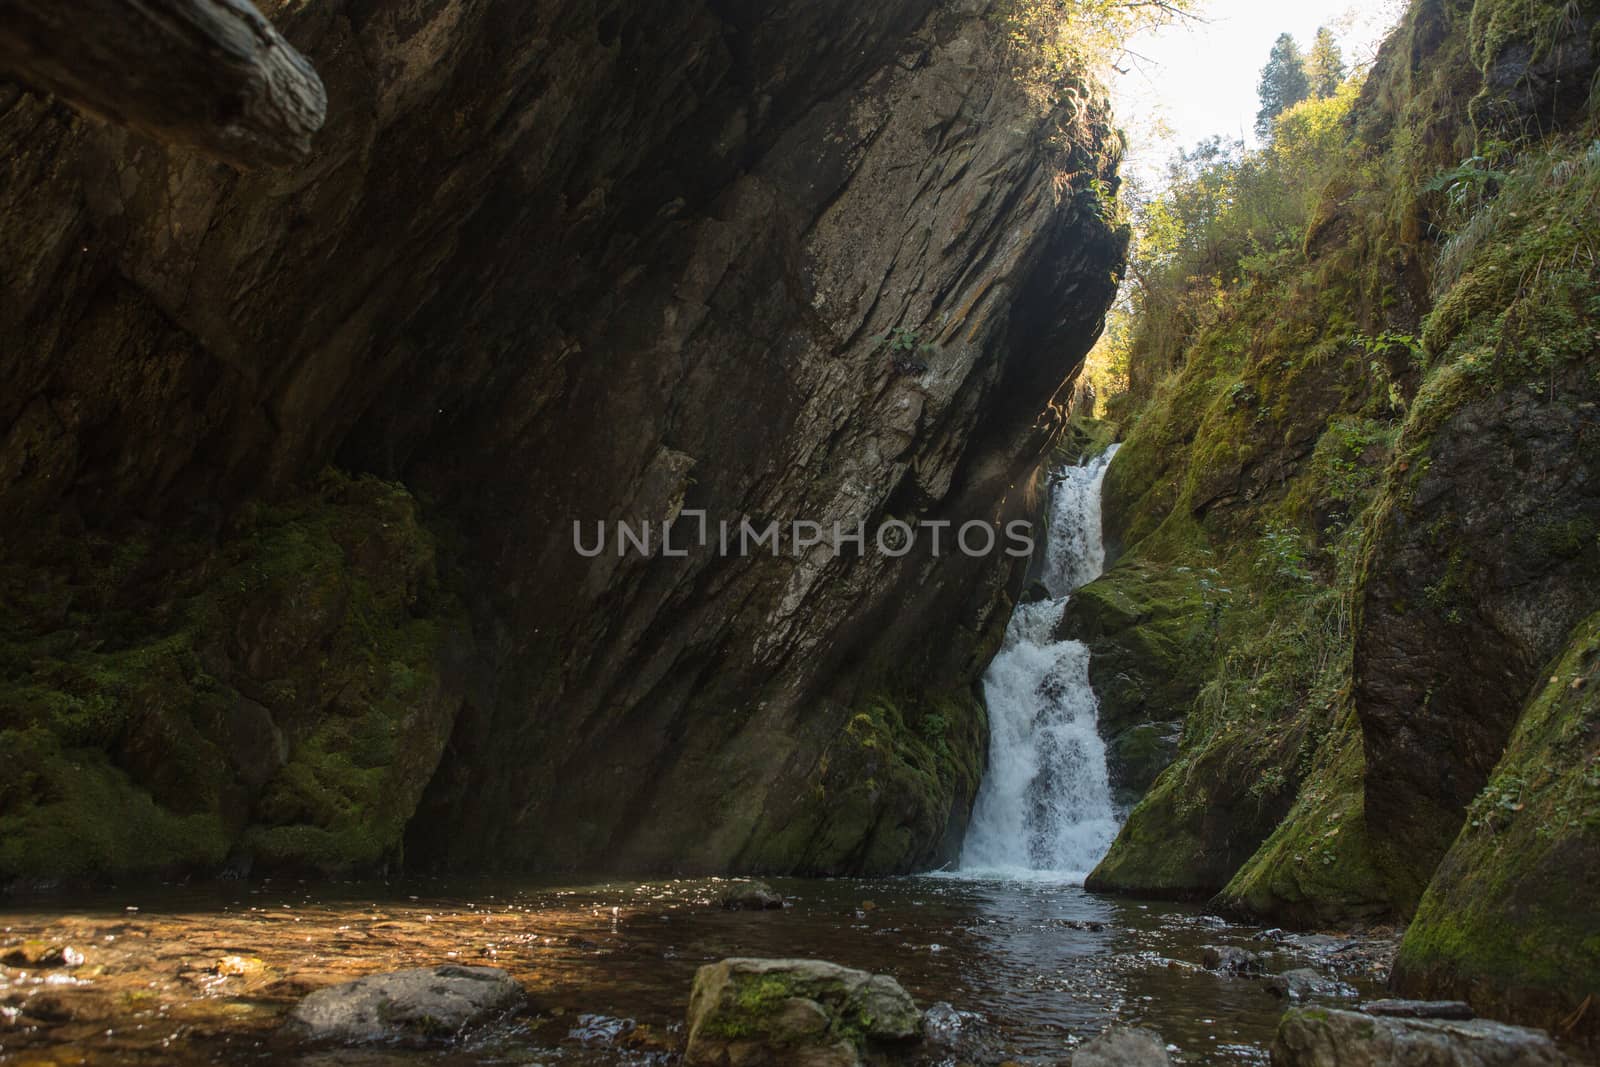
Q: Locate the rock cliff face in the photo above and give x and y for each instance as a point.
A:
(1358, 519)
(290, 460)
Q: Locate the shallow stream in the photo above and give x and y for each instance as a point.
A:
(198, 975)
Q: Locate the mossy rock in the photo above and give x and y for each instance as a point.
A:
(1198, 823)
(1136, 757)
(896, 785)
(1314, 871)
(1146, 625)
(1086, 438)
(173, 700)
(1509, 921)
(1366, 439)
(794, 1010)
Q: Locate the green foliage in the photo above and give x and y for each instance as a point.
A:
(1229, 222)
(1101, 197)
(1284, 82)
(1249, 336)
(906, 349)
(1467, 184)
(1053, 40)
(1516, 283)
(1301, 321)
(1281, 557)
(1387, 341)
(1500, 799)
(1325, 69)
(905, 339)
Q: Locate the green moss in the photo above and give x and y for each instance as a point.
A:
(1162, 850)
(752, 1006)
(1315, 869)
(1085, 438)
(1521, 304)
(735, 1005)
(69, 813)
(1291, 393)
(277, 688)
(885, 792)
(1496, 24)
(1507, 919)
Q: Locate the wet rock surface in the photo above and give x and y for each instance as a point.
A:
(1123, 1047)
(1306, 984)
(1310, 1037)
(1419, 1009)
(1368, 955)
(42, 954)
(794, 1011)
(1511, 478)
(751, 896)
(1230, 959)
(426, 1004)
(959, 1035)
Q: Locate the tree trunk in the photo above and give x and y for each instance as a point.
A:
(213, 75)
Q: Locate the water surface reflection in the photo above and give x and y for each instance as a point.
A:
(192, 975)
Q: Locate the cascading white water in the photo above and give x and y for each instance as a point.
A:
(1045, 805)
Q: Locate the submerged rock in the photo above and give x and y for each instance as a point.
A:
(1420, 1009)
(1123, 1047)
(750, 1011)
(1227, 959)
(1303, 983)
(1035, 593)
(1369, 955)
(422, 1003)
(236, 966)
(960, 1036)
(42, 954)
(1311, 1037)
(751, 896)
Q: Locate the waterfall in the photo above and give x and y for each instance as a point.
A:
(1045, 805)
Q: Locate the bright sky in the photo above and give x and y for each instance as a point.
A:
(1200, 79)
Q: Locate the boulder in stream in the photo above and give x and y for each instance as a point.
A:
(1303, 983)
(751, 896)
(41, 955)
(794, 1012)
(1123, 1047)
(953, 1035)
(1228, 959)
(1315, 1037)
(425, 1003)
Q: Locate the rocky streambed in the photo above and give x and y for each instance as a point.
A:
(1016, 971)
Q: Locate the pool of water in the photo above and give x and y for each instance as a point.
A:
(192, 975)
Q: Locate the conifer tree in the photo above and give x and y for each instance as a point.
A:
(1284, 83)
(1325, 67)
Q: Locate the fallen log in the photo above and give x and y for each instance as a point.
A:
(214, 75)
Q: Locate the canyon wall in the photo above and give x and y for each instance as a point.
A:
(290, 459)
(1357, 517)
